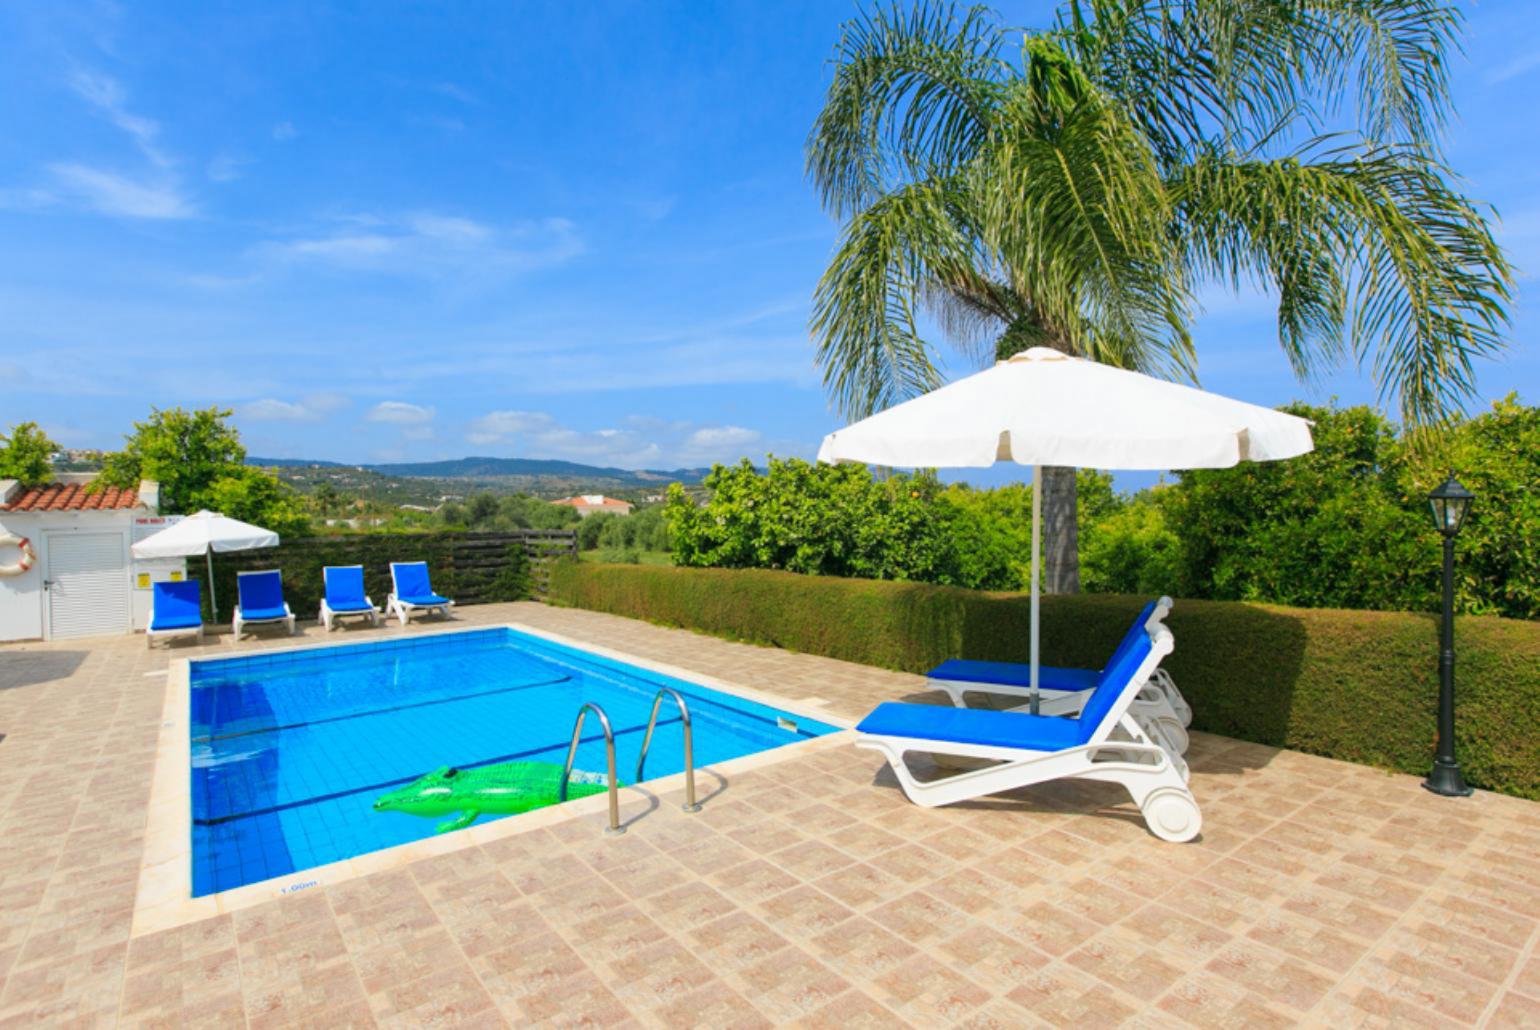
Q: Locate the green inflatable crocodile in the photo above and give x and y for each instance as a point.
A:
(504, 789)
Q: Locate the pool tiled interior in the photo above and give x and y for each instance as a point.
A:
(807, 891)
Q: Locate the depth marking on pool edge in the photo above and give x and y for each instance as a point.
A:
(302, 885)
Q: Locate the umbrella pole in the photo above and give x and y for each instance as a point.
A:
(208, 555)
(1037, 535)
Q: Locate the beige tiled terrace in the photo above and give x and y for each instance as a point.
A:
(807, 891)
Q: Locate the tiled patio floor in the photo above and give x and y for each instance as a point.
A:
(1320, 892)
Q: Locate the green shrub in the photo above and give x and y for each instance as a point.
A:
(592, 528)
(1345, 526)
(1131, 550)
(1353, 685)
(830, 520)
(26, 455)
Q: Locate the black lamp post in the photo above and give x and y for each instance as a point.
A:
(1450, 501)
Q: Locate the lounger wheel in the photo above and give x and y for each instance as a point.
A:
(1172, 814)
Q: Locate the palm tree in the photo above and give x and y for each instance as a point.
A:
(1074, 195)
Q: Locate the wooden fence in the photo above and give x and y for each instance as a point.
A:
(471, 568)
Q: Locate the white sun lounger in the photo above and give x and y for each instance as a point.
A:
(1029, 749)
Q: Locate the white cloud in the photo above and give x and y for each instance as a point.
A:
(309, 409)
(400, 413)
(115, 194)
(642, 441)
(284, 131)
(1520, 65)
(106, 95)
(153, 193)
(718, 438)
(429, 244)
(270, 409)
(502, 426)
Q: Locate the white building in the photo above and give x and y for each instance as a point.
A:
(65, 568)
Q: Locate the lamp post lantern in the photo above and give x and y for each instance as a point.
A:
(1449, 503)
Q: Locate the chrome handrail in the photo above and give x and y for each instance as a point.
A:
(609, 756)
(690, 804)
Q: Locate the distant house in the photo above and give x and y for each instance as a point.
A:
(588, 504)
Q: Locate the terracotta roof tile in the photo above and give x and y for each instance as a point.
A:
(72, 497)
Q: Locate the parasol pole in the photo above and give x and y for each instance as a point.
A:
(208, 554)
(1037, 535)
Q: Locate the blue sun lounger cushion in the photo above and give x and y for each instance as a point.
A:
(972, 726)
(1063, 690)
(1019, 674)
(261, 600)
(345, 595)
(1015, 674)
(175, 608)
(413, 592)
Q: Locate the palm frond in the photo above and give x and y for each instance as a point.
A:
(912, 96)
(1079, 217)
(863, 323)
(1251, 67)
(1374, 255)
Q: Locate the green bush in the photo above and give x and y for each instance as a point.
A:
(1347, 525)
(1353, 685)
(592, 527)
(26, 455)
(1344, 526)
(830, 520)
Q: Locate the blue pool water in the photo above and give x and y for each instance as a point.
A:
(289, 751)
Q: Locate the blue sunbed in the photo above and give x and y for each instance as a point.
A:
(345, 597)
(175, 610)
(413, 592)
(261, 600)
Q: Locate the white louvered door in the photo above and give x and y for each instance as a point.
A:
(88, 587)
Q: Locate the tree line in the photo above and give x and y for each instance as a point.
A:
(1344, 526)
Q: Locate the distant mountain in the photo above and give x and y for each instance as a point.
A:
(497, 468)
(426, 482)
(294, 463)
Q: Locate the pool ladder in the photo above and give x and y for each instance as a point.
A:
(690, 804)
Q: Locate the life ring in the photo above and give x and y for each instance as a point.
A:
(28, 554)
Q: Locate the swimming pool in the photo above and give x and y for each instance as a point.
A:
(289, 751)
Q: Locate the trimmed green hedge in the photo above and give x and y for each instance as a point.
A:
(1354, 685)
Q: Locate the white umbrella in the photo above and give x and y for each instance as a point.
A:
(1042, 407)
(204, 533)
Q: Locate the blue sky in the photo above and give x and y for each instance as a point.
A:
(399, 231)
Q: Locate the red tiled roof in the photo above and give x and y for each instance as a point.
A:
(72, 497)
(603, 502)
